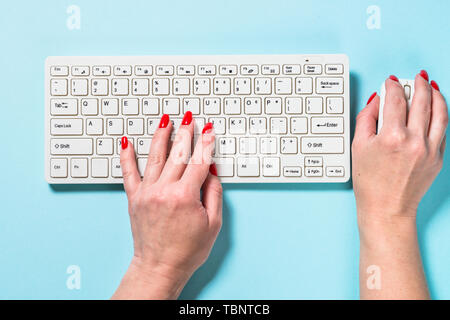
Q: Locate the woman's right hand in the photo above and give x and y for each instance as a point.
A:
(175, 210)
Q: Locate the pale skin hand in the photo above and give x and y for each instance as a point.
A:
(391, 173)
(173, 226)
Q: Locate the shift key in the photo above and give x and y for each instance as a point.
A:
(312, 145)
(71, 146)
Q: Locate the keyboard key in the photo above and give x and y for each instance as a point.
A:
(101, 70)
(291, 69)
(268, 145)
(273, 105)
(258, 125)
(114, 127)
(63, 107)
(207, 70)
(283, 85)
(222, 86)
(130, 106)
(99, 167)
(288, 145)
(71, 146)
(58, 168)
(171, 106)
(237, 125)
(322, 145)
(335, 105)
(119, 87)
(249, 69)
(185, 70)
(201, 86)
(313, 162)
(80, 70)
(293, 105)
(313, 171)
(303, 85)
(335, 171)
(227, 145)
(79, 87)
(278, 125)
(59, 70)
(299, 125)
(219, 125)
(191, 104)
(263, 85)
(94, 126)
(181, 86)
(110, 107)
(228, 70)
(312, 69)
(142, 164)
(327, 125)
(232, 105)
(271, 167)
(242, 85)
(161, 86)
(292, 171)
(271, 69)
(211, 105)
(248, 167)
(150, 106)
(329, 85)
(252, 105)
(105, 146)
(164, 70)
(99, 87)
(58, 87)
(140, 87)
(143, 145)
(116, 169)
(79, 167)
(66, 127)
(89, 107)
(247, 145)
(314, 105)
(143, 70)
(334, 69)
(225, 166)
(152, 125)
(122, 70)
(135, 126)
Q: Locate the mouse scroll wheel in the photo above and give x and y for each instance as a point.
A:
(408, 91)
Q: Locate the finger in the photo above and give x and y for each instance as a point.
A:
(420, 110)
(394, 111)
(439, 118)
(158, 150)
(212, 197)
(198, 167)
(180, 151)
(130, 173)
(442, 149)
(366, 122)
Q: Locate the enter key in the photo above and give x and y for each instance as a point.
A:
(327, 125)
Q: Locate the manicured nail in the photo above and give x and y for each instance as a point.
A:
(424, 74)
(124, 143)
(187, 119)
(164, 121)
(392, 77)
(213, 169)
(371, 97)
(208, 127)
(434, 85)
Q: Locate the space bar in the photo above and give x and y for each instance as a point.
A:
(71, 146)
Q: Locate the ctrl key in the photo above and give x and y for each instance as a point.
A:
(58, 168)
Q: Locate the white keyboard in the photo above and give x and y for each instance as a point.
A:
(278, 118)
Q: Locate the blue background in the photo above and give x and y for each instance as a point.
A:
(277, 241)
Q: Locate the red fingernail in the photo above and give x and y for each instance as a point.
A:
(371, 97)
(164, 121)
(207, 127)
(424, 74)
(124, 143)
(435, 85)
(392, 77)
(187, 119)
(213, 169)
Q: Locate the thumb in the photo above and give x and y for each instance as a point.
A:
(212, 198)
(130, 173)
(366, 122)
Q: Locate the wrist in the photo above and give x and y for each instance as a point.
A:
(147, 281)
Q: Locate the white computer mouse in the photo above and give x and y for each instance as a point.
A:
(408, 85)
